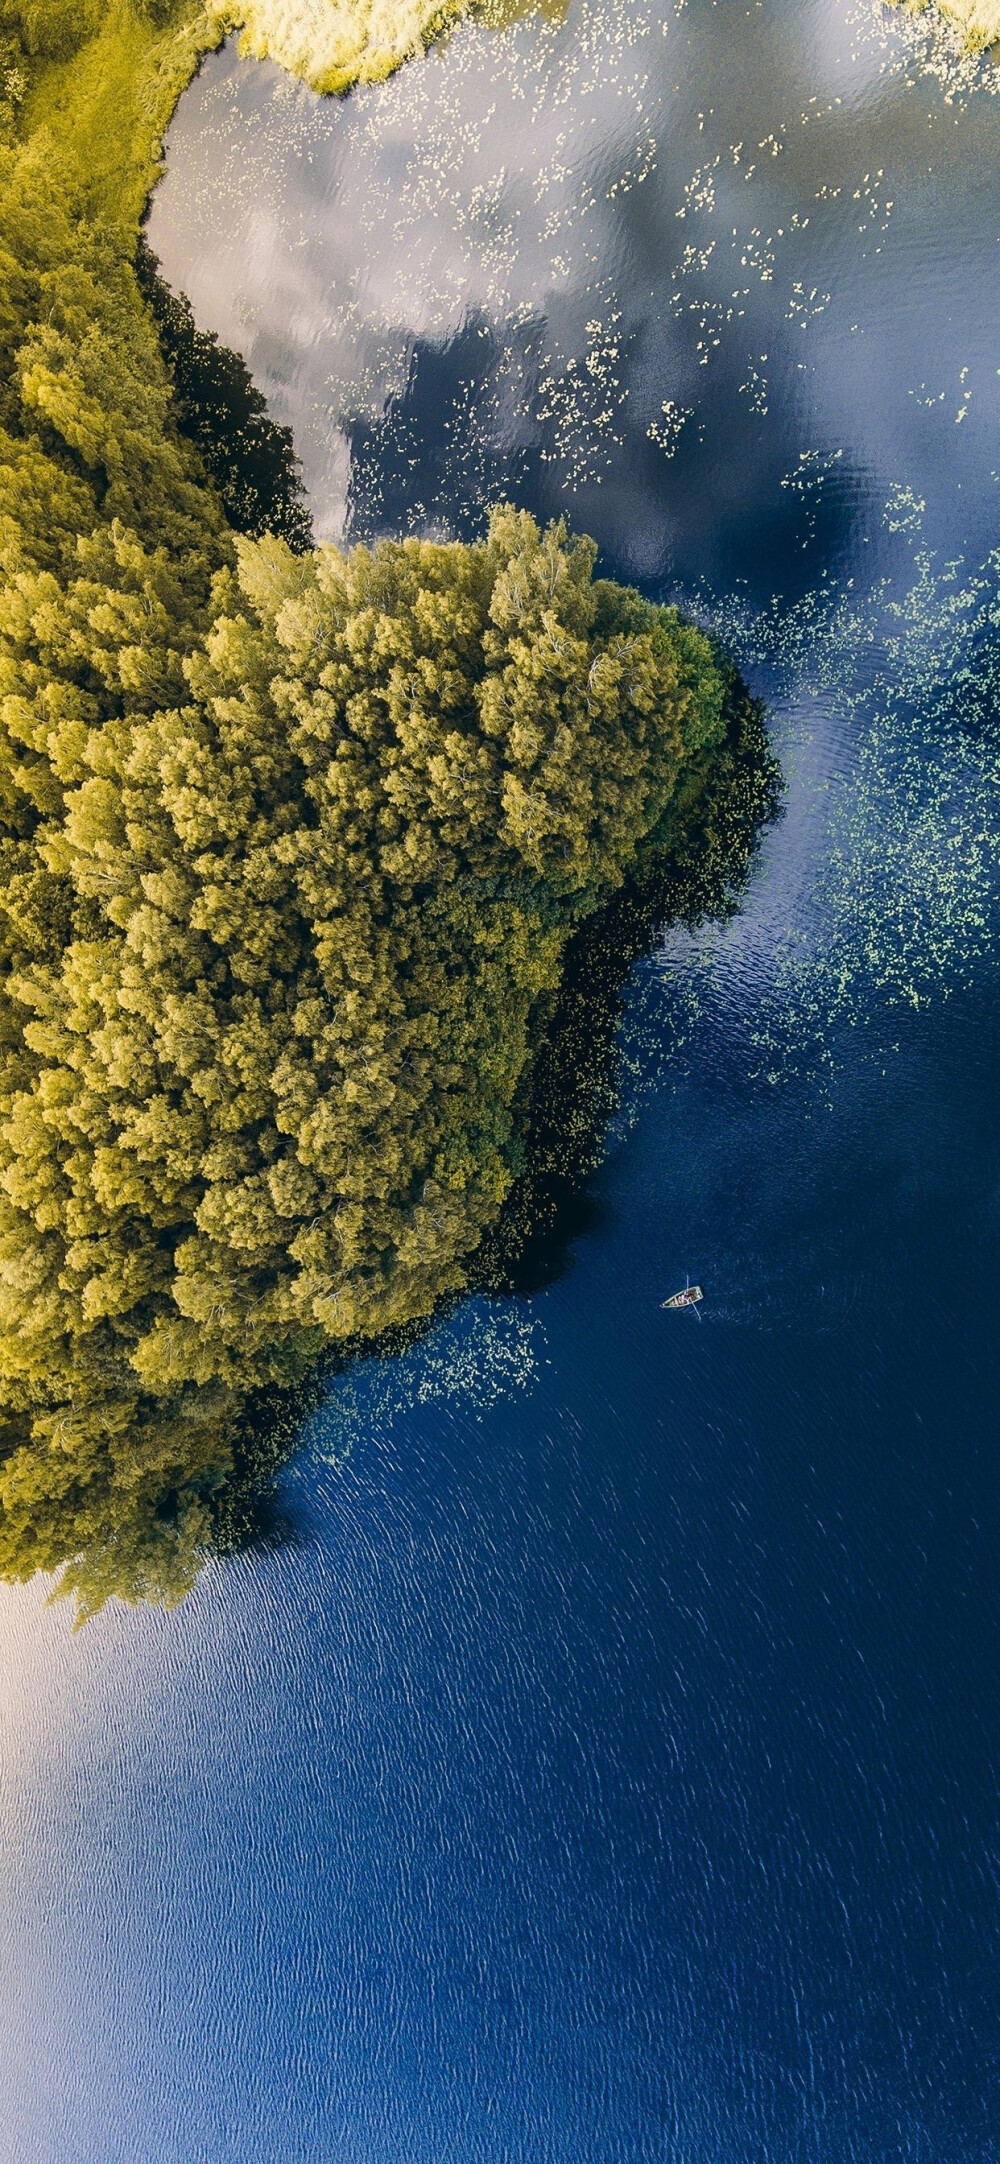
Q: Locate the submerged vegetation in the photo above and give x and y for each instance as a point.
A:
(293, 845)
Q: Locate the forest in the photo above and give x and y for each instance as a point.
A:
(293, 843)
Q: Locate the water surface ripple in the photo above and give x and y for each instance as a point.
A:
(604, 1769)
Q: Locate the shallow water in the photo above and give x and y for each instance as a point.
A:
(605, 1766)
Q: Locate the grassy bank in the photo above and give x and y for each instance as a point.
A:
(333, 44)
(978, 20)
(107, 104)
(109, 101)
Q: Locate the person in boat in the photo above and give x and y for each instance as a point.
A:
(690, 1297)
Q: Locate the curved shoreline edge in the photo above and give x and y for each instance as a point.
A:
(111, 100)
(293, 845)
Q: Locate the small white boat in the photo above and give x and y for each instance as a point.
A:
(690, 1297)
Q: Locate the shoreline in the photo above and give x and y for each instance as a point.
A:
(110, 102)
(977, 21)
(327, 952)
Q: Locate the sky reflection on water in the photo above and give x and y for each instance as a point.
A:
(720, 286)
(605, 1768)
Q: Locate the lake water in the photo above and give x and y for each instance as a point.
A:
(604, 1768)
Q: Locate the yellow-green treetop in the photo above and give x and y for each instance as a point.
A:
(274, 950)
(977, 20)
(291, 846)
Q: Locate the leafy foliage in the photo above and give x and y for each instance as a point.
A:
(50, 29)
(275, 952)
(978, 21)
(291, 846)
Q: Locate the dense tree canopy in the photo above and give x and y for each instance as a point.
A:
(274, 951)
(291, 846)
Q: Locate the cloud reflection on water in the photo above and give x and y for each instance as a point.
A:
(575, 226)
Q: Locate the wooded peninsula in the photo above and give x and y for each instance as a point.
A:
(293, 842)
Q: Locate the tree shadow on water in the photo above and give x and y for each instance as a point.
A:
(569, 1097)
(217, 406)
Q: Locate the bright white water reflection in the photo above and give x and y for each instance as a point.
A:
(604, 1767)
(719, 283)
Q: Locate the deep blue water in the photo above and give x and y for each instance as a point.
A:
(604, 1768)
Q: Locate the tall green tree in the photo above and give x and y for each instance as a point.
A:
(284, 942)
(291, 846)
